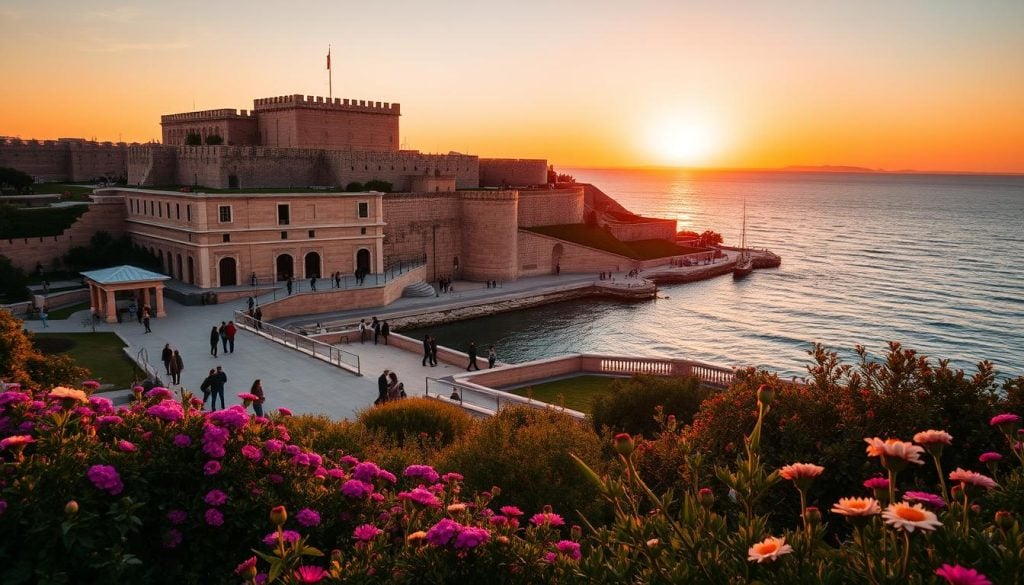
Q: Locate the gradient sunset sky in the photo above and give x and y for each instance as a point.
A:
(897, 85)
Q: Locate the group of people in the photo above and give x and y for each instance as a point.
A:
(142, 316)
(492, 357)
(255, 313)
(336, 279)
(389, 388)
(380, 330)
(445, 284)
(213, 386)
(173, 364)
(223, 335)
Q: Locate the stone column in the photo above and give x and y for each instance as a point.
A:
(160, 301)
(111, 307)
(145, 298)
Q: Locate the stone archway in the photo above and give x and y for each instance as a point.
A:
(285, 265)
(228, 269)
(363, 261)
(312, 265)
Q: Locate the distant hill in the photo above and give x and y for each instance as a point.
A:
(828, 169)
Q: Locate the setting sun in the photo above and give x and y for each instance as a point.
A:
(685, 142)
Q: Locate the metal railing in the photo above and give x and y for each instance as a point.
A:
(336, 356)
(485, 401)
(327, 283)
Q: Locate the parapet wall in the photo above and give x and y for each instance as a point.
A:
(513, 172)
(351, 105)
(67, 159)
(538, 255)
(105, 214)
(646, 229)
(539, 207)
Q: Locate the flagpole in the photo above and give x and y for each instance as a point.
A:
(330, 82)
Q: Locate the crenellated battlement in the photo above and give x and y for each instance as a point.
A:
(63, 143)
(320, 102)
(221, 114)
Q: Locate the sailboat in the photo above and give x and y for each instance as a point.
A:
(744, 264)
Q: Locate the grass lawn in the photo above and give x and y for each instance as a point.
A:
(575, 393)
(35, 222)
(595, 237)
(65, 312)
(99, 352)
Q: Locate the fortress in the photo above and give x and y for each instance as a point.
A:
(467, 217)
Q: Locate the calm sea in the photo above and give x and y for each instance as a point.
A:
(931, 261)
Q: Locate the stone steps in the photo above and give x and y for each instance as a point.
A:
(419, 289)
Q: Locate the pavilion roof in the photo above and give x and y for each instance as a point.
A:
(123, 274)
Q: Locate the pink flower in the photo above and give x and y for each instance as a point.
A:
(214, 517)
(234, 417)
(366, 532)
(108, 419)
(273, 446)
(159, 392)
(181, 440)
(972, 478)
(91, 385)
(251, 453)
(249, 398)
(441, 533)
(168, 410)
(931, 437)
(422, 497)
(127, 446)
(308, 517)
(289, 537)
(177, 517)
(547, 519)
(990, 457)
(309, 574)
(365, 471)
(452, 477)
(957, 575)
(212, 467)
(106, 478)
(569, 548)
(215, 498)
(354, 488)
(511, 511)
(424, 472)
(284, 411)
(894, 451)
(172, 538)
(471, 537)
(16, 442)
(246, 567)
(769, 550)
(877, 483)
(930, 500)
(801, 474)
(910, 517)
(1005, 421)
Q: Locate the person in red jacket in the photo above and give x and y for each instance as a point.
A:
(230, 331)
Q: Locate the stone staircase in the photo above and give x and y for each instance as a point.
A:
(419, 289)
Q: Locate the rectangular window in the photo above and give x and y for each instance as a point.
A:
(283, 214)
(284, 235)
(362, 231)
(188, 212)
(312, 233)
(159, 209)
(177, 210)
(364, 209)
(225, 214)
(227, 237)
(168, 210)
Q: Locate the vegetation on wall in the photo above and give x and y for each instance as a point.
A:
(372, 185)
(214, 139)
(33, 222)
(13, 282)
(193, 139)
(14, 181)
(105, 250)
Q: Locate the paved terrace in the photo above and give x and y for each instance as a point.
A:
(291, 378)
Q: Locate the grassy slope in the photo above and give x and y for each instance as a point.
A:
(101, 353)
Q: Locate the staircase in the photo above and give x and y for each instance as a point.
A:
(419, 289)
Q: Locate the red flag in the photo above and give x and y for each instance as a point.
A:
(328, 58)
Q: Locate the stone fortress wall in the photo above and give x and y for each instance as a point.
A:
(105, 214)
(513, 172)
(66, 159)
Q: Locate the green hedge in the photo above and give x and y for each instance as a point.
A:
(17, 222)
(629, 405)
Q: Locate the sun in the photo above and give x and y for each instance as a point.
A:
(685, 142)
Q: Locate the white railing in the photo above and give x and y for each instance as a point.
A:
(485, 401)
(345, 360)
(650, 367)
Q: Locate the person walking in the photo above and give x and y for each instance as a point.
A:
(251, 302)
(145, 319)
(288, 284)
(376, 330)
(177, 367)
(392, 385)
(492, 357)
(385, 330)
(382, 388)
(312, 283)
(230, 330)
(217, 388)
(433, 350)
(214, 341)
(337, 279)
(426, 350)
(223, 332)
(362, 330)
(472, 357)
(258, 315)
(43, 316)
(207, 386)
(257, 390)
(165, 357)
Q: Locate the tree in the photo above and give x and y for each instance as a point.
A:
(20, 361)
(14, 179)
(13, 281)
(193, 139)
(710, 238)
(378, 185)
(214, 140)
(354, 187)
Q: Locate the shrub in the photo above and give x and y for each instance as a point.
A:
(16, 222)
(409, 419)
(526, 452)
(193, 139)
(354, 187)
(104, 250)
(14, 179)
(378, 185)
(214, 139)
(326, 435)
(13, 282)
(629, 405)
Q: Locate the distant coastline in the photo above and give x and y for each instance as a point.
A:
(797, 169)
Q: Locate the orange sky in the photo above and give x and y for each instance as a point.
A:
(910, 85)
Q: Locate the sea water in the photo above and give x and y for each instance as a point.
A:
(931, 261)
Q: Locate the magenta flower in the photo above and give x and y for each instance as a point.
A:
(452, 477)
(106, 478)
(292, 450)
(1005, 421)
(181, 440)
(101, 405)
(931, 500)
(289, 536)
(423, 472)
(990, 457)
(172, 538)
(215, 498)
(248, 398)
(275, 478)
(108, 419)
(284, 411)
(214, 517)
(168, 410)
(211, 468)
(470, 537)
(547, 519)
(354, 488)
(441, 533)
(366, 532)
(177, 517)
(569, 548)
(273, 446)
(127, 446)
(248, 566)
(159, 392)
(252, 453)
(422, 497)
(365, 471)
(309, 574)
(957, 575)
(511, 511)
(12, 396)
(91, 385)
(387, 476)
(877, 483)
(308, 517)
(234, 417)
